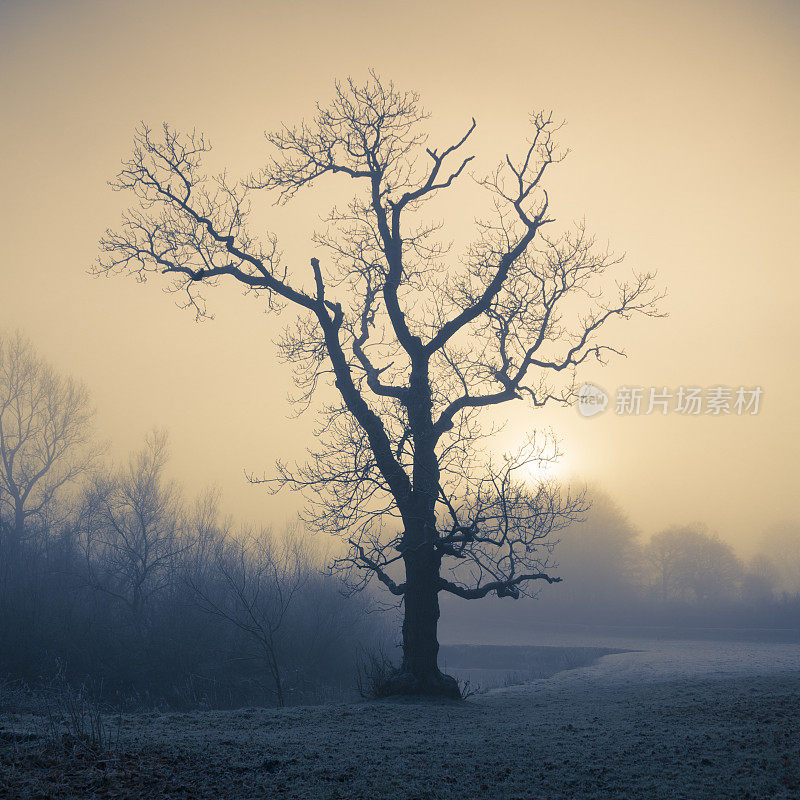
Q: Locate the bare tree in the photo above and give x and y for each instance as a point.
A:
(599, 557)
(780, 547)
(134, 528)
(416, 344)
(260, 580)
(45, 434)
(760, 578)
(689, 563)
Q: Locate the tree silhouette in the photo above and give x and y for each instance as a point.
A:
(416, 344)
(689, 563)
(45, 436)
(135, 528)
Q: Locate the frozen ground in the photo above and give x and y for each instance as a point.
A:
(671, 720)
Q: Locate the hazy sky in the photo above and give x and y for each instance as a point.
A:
(683, 122)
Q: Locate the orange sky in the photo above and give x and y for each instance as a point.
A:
(683, 121)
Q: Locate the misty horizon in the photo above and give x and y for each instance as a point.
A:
(397, 401)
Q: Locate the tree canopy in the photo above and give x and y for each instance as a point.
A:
(416, 341)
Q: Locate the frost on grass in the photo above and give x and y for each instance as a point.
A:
(674, 719)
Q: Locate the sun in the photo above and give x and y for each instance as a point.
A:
(539, 457)
(543, 470)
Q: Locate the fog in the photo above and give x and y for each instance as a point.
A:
(684, 581)
(397, 401)
(680, 121)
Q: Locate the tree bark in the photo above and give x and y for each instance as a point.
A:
(419, 672)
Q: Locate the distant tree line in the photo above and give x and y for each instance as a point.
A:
(684, 577)
(112, 578)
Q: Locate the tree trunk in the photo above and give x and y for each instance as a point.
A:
(19, 523)
(15, 534)
(419, 672)
(274, 668)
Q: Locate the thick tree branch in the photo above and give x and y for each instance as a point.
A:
(502, 588)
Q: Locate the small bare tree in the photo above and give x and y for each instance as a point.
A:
(134, 528)
(259, 580)
(415, 344)
(45, 434)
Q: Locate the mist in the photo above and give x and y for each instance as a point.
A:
(398, 401)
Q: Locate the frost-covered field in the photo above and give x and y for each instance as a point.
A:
(672, 720)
